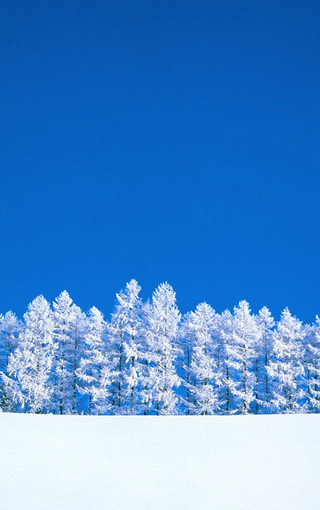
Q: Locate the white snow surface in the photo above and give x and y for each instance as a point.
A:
(168, 463)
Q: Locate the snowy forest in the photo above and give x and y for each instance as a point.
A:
(148, 359)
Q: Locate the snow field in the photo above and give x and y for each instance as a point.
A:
(160, 463)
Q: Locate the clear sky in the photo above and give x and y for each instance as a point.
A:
(161, 140)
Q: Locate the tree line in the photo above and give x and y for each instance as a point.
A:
(148, 359)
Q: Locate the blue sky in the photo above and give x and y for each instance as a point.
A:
(172, 140)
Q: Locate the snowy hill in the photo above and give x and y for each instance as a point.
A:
(159, 463)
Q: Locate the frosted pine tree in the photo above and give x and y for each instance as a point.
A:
(146, 350)
(162, 337)
(186, 339)
(219, 365)
(228, 366)
(263, 358)
(9, 331)
(246, 334)
(94, 370)
(78, 332)
(125, 338)
(312, 366)
(131, 306)
(287, 366)
(30, 365)
(63, 318)
(202, 324)
(10, 327)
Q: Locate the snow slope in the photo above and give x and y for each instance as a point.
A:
(167, 463)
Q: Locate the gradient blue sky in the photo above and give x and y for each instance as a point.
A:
(170, 140)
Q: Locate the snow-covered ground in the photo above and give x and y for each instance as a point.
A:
(165, 463)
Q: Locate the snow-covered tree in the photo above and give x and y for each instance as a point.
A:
(286, 368)
(10, 327)
(146, 361)
(202, 326)
(186, 339)
(133, 339)
(162, 336)
(246, 334)
(125, 337)
(220, 345)
(94, 370)
(63, 318)
(312, 366)
(262, 361)
(228, 364)
(78, 331)
(146, 352)
(29, 367)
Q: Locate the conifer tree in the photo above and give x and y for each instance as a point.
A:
(125, 338)
(263, 358)
(78, 332)
(9, 331)
(146, 351)
(202, 324)
(219, 367)
(146, 361)
(10, 327)
(28, 379)
(312, 366)
(228, 365)
(162, 336)
(133, 347)
(287, 367)
(245, 336)
(63, 318)
(186, 340)
(94, 369)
